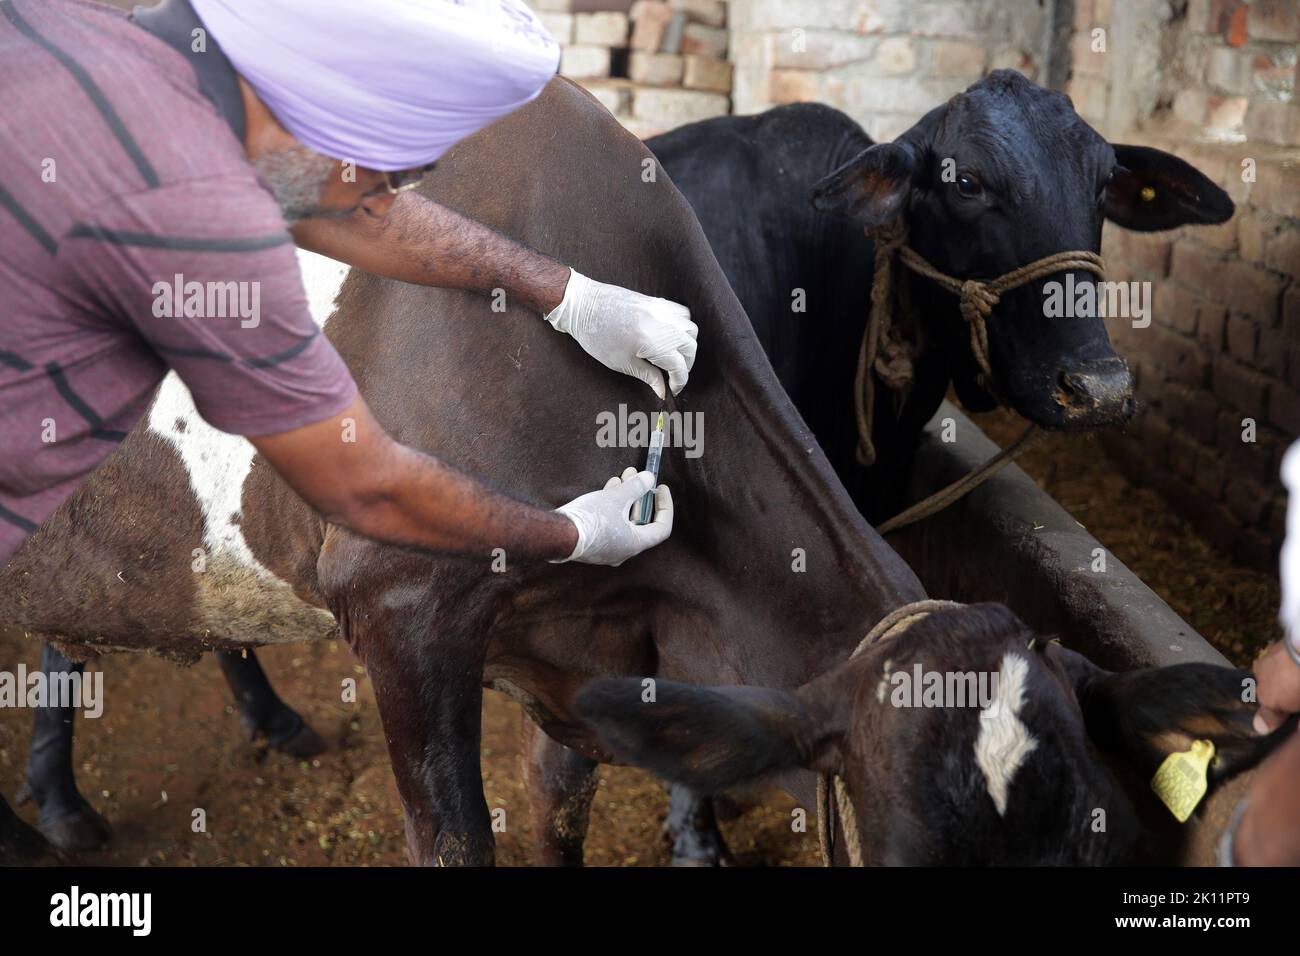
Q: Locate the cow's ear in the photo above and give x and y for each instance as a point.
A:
(871, 188)
(1149, 714)
(708, 738)
(1153, 190)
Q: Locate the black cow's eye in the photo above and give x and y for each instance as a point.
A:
(968, 185)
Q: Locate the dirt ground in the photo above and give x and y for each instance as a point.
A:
(170, 740)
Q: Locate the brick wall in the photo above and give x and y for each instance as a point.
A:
(655, 64)
(884, 62)
(1212, 83)
(1209, 80)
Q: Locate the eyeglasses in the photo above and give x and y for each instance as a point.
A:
(402, 180)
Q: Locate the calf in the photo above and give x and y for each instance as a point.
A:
(994, 179)
(1009, 775)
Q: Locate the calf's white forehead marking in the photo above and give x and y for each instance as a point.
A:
(241, 598)
(1004, 742)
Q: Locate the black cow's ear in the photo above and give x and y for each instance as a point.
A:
(872, 187)
(708, 738)
(1153, 190)
(1149, 714)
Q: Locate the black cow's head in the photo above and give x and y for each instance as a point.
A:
(998, 177)
(1008, 775)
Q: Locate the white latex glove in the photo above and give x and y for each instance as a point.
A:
(627, 331)
(606, 532)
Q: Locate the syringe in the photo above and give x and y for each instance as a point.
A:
(652, 466)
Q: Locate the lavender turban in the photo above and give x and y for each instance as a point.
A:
(388, 84)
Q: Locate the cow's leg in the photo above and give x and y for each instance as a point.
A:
(19, 843)
(428, 685)
(693, 829)
(560, 783)
(262, 712)
(66, 818)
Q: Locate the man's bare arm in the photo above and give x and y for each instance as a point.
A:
(379, 488)
(427, 244)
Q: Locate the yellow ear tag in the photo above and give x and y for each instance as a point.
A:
(1181, 780)
(1148, 193)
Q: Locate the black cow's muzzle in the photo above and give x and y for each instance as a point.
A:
(1096, 393)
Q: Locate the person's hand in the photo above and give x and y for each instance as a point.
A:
(629, 332)
(1269, 831)
(606, 532)
(1277, 679)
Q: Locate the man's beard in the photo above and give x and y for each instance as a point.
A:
(297, 177)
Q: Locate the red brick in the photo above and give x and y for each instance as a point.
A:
(1282, 251)
(1211, 325)
(1222, 237)
(1254, 230)
(1202, 412)
(1291, 313)
(1273, 121)
(1241, 387)
(1211, 16)
(1278, 188)
(1175, 399)
(1174, 307)
(1242, 335)
(1284, 409)
(1199, 269)
(1180, 356)
(1274, 20)
(1237, 32)
(1271, 351)
(1252, 459)
(1147, 252)
(1252, 290)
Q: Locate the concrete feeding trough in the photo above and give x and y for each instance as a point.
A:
(1009, 541)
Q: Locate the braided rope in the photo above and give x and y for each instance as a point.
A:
(895, 622)
(977, 299)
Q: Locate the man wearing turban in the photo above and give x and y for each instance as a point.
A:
(179, 143)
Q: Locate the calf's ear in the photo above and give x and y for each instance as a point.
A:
(1153, 190)
(708, 738)
(1149, 714)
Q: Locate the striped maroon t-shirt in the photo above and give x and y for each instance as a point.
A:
(134, 238)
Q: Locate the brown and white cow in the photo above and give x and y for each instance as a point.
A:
(771, 577)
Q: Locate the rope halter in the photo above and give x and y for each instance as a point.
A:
(893, 623)
(977, 298)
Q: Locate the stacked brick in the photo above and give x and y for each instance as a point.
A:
(1220, 363)
(884, 62)
(655, 64)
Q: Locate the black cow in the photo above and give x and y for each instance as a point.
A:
(784, 197)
